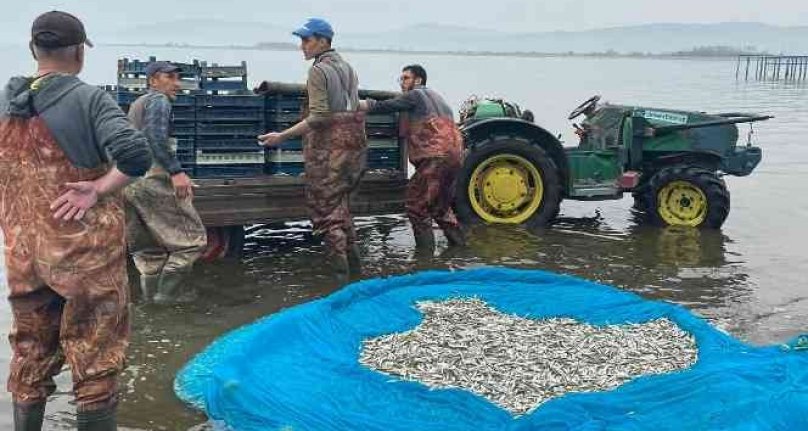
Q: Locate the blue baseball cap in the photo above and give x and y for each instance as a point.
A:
(315, 27)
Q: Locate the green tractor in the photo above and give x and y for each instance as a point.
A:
(516, 172)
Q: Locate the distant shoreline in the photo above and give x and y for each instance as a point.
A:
(516, 54)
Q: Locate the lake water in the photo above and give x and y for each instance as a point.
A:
(747, 278)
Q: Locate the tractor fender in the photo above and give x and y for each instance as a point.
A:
(479, 131)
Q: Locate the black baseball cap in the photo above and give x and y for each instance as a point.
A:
(56, 29)
(161, 66)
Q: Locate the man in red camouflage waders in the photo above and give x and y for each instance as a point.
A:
(435, 148)
(66, 151)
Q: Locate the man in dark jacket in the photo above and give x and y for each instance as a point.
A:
(334, 145)
(435, 149)
(163, 229)
(66, 151)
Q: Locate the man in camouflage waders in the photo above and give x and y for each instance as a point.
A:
(66, 151)
(164, 231)
(435, 149)
(334, 148)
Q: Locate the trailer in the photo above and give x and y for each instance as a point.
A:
(239, 184)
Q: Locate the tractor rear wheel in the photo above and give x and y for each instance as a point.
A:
(687, 196)
(508, 180)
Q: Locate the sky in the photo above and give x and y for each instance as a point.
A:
(357, 16)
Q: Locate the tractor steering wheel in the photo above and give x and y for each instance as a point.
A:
(583, 107)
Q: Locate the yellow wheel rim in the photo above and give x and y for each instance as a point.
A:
(506, 189)
(682, 203)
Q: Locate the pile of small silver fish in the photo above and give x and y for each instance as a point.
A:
(519, 363)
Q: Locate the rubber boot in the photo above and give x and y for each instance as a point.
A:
(171, 290)
(148, 286)
(97, 420)
(455, 236)
(424, 241)
(29, 417)
(354, 260)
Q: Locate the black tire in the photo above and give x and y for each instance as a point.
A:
(639, 194)
(235, 244)
(711, 185)
(481, 151)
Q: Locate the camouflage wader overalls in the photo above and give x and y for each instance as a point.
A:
(67, 280)
(164, 233)
(436, 150)
(335, 153)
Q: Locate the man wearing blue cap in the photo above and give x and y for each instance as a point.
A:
(335, 147)
(164, 232)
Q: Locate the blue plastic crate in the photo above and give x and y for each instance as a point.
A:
(231, 100)
(292, 144)
(217, 71)
(186, 159)
(183, 128)
(384, 154)
(225, 114)
(226, 171)
(279, 127)
(138, 67)
(382, 119)
(285, 103)
(185, 100)
(231, 158)
(186, 144)
(226, 145)
(290, 168)
(375, 142)
(240, 130)
(183, 113)
(284, 117)
(126, 97)
(212, 85)
(384, 130)
(384, 164)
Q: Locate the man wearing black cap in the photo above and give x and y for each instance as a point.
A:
(164, 231)
(335, 147)
(66, 151)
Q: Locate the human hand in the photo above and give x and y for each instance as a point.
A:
(183, 186)
(271, 139)
(75, 203)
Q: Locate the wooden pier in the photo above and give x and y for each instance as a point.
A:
(793, 68)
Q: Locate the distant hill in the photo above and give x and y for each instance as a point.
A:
(199, 32)
(650, 38)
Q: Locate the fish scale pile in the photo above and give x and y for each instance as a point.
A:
(519, 363)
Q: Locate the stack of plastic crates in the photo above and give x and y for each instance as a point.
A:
(216, 79)
(227, 127)
(183, 129)
(213, 118)
(284, 111)
(132, 75)
(216, 121)
(384, 150)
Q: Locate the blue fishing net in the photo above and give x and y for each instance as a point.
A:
(300, 370)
